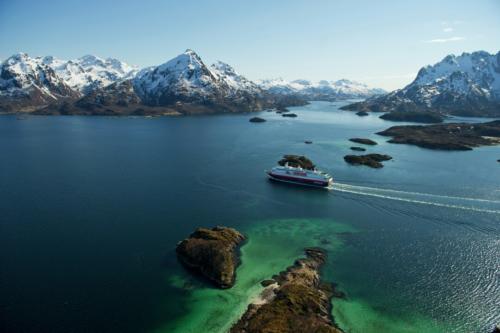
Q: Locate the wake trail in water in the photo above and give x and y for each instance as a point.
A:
(416, 193)
(419, 198)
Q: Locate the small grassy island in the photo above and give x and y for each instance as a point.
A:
(212, 253)
(297, 161)
(363, 141)
(257, 120)
(414, 116)
(371, 160)
(453, 136)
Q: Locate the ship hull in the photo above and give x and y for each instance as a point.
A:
(299, 181)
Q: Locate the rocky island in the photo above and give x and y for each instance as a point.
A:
(358, 148)
(424, 117)
(257, 120)
(281, 109)
(371, 160)
(212, 253)
(363, 141)
(295, 300)
(453, 136)
(297, 161)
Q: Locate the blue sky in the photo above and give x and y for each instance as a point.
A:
(382, 43)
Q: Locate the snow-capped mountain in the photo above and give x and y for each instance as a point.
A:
(235, 82)
(184, 84)
(467, 85)
(27, 82)
(186, 79)
(182, 78)
(89, 72)
(320, 90)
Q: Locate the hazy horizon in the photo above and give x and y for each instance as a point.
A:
(327, 40)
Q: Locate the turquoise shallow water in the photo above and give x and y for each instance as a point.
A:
(273, 245)
(92, 209)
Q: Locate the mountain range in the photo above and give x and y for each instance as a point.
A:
(184, 84)
(320, 90)
(465, 85)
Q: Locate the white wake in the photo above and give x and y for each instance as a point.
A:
(420, 198)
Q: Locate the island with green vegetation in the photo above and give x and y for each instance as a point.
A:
(212, 253)
(371, 160)
(424, 117)
(295, 300)
(452, 136)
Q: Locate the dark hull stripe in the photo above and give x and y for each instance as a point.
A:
(299, 180)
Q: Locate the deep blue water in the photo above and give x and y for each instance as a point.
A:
(92, 207)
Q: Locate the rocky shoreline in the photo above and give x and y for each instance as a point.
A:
(414, 116)
(371, 160)
(213, 253)
(257, 120)
(297, 161)
(363, 141)
(295, 300)
(452, 136)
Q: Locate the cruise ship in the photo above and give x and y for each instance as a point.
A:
(300, 176)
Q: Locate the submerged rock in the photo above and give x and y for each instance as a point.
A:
(358, 148)
(291, 115)
(213, 253)
(297, 161)
(371, 160)
(266, 283)
(257, 120)
(363, 141)
(452, 136)
(296, 301)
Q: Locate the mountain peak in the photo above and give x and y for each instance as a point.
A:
(191, 55)
(320, 90)
(190, 51)
(184, 65)
(89, 60)
(346, 81)
(48, 60)
(89, 57)
(223, 67)
(468, 84)
(18, 57)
